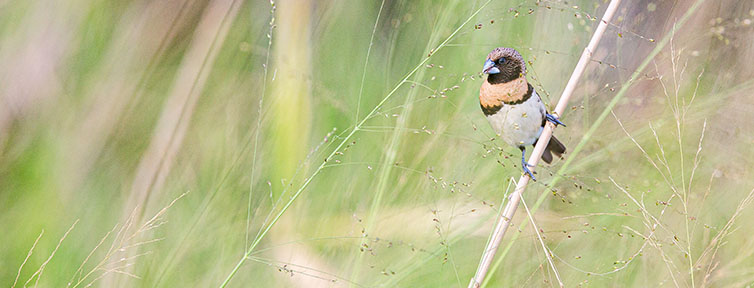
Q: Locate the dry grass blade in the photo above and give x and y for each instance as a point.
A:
(718, 240)
(121, 244)
(547, 251)
(31, 250)
(41, 269)
(171, 128)
(81, 267)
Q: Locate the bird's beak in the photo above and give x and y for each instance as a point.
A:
(489, 67)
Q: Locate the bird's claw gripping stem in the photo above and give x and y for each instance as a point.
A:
(526, 165)
(554, 119)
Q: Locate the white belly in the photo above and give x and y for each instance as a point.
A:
(520, 124)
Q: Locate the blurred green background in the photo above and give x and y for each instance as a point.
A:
(312, 143)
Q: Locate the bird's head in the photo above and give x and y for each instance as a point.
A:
(504, 65)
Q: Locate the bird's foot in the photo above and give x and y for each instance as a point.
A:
(554, 119)
(526, 166)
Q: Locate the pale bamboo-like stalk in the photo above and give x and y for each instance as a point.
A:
(510, 209)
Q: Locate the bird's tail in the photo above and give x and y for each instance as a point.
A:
(553, 147)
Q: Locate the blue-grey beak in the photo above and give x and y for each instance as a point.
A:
(489, 67)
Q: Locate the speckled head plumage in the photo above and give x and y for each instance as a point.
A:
(504, 65)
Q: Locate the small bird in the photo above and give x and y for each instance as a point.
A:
(513, 108)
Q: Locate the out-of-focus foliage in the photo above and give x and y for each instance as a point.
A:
(246, 110)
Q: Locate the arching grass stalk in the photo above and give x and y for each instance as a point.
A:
(605, 112)
(345, 140)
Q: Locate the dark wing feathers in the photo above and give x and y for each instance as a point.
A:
(553, 147)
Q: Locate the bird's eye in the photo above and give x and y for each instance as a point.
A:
(501, 61)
